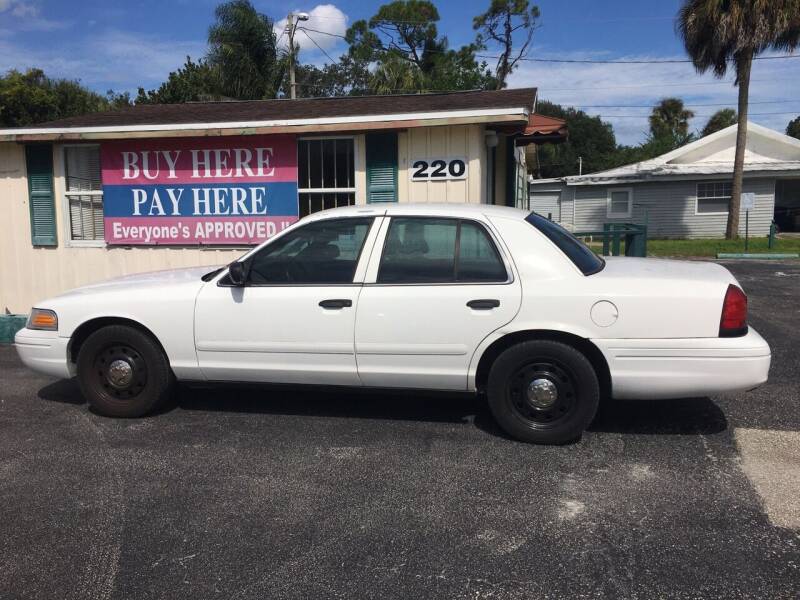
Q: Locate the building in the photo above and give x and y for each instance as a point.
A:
(684, 193)
(160, 186)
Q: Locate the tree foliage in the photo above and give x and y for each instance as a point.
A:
(793, 128)
(669, 122)
(402, 43)
(589, 138)
(721, 119)
(509, 24)
(242, 52)
(32, 97)
(193, 82)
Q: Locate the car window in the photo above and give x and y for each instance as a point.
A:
(578, 252)
(324, 252)
(432, 250)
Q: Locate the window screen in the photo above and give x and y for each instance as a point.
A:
(619, 203)
(713, 197)
(430, 250)
(325, 252)
(84, 192)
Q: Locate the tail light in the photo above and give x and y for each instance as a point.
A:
(733, 322)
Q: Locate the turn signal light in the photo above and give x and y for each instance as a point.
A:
(733, 322)
(43, 319)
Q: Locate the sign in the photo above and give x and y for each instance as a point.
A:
(434, 169)
(215, 190)
(748, 201)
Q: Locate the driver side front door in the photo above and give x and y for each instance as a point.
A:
(294, 319)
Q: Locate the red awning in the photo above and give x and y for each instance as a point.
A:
(541, 129)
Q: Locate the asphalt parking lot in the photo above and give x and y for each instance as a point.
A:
(278, 494)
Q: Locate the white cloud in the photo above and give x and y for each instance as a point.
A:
(325, 18)
(25, 9)
(27, 17)
(585, 85)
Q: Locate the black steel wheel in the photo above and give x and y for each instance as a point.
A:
(543, 391)
(123, 372)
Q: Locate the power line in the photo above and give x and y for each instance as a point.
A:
(685, 104)
(316, 44)
(589, 61)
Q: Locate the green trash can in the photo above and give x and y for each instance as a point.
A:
(9, 326)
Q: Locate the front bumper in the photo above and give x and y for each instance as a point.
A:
(44, 352)
(685, 368)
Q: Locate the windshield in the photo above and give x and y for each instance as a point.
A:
(578, 252)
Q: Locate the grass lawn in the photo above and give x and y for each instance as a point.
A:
(711, 247)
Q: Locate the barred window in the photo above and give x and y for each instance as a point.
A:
(84, 192)
(713, 197)
(326, 174)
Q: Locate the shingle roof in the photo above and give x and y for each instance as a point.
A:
(318, 108)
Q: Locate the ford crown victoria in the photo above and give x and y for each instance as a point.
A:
(478, 299)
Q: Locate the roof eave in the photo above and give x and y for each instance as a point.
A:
(351, 123)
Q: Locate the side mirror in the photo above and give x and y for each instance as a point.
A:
(236, 273)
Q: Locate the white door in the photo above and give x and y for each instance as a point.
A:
(439, 287)
(293, 321)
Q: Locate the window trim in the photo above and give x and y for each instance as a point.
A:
(60, 174)
(629, 213)
(697, 199)
(374, 268)
(344, 190)
(368, 239)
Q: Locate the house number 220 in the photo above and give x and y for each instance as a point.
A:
(432, 169)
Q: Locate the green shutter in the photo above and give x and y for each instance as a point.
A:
(39, 160)
(382, 167)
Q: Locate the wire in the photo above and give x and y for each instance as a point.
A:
(589, 61)
(316, 44)
(686, 104)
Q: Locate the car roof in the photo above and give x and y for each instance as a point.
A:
(426, 209)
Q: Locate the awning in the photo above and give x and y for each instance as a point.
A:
(543, 130)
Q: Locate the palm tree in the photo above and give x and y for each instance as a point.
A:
(670, 121)
(242, 52)
(719, 34)
(724, 117)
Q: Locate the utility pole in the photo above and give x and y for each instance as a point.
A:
(580, 165)
(291, 27)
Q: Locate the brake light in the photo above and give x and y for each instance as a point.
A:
(733, 322)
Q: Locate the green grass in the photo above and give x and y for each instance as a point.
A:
(710, 247)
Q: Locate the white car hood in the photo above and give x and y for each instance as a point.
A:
(143, 280)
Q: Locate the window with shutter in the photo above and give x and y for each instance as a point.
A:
(84, 192)
(39, 163)
(381, 167)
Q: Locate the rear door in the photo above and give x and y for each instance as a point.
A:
(439, 287)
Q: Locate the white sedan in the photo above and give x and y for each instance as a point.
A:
(479, 299)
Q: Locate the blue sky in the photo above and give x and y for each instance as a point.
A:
(121, 45)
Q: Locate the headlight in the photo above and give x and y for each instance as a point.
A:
(43, 319)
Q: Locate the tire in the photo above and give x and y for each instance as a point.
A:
(555, 410)
(140, 381)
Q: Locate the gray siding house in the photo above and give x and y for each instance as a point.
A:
(684, 193)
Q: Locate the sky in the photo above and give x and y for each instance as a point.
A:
(123, 45)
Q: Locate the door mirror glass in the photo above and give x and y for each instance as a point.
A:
(236, 273)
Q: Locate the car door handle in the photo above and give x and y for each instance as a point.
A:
(336, 303)
(483, 304)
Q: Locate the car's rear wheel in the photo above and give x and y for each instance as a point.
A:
(122, 372)
(543, 391)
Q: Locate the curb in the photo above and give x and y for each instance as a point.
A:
(764, 256)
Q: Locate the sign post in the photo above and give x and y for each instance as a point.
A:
(748, 203)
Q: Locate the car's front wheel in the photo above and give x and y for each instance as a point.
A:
(543, 391)
(122, 372)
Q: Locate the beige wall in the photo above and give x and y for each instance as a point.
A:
(455, 141)
(29, 274)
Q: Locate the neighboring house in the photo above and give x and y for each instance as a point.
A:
(686, 192)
